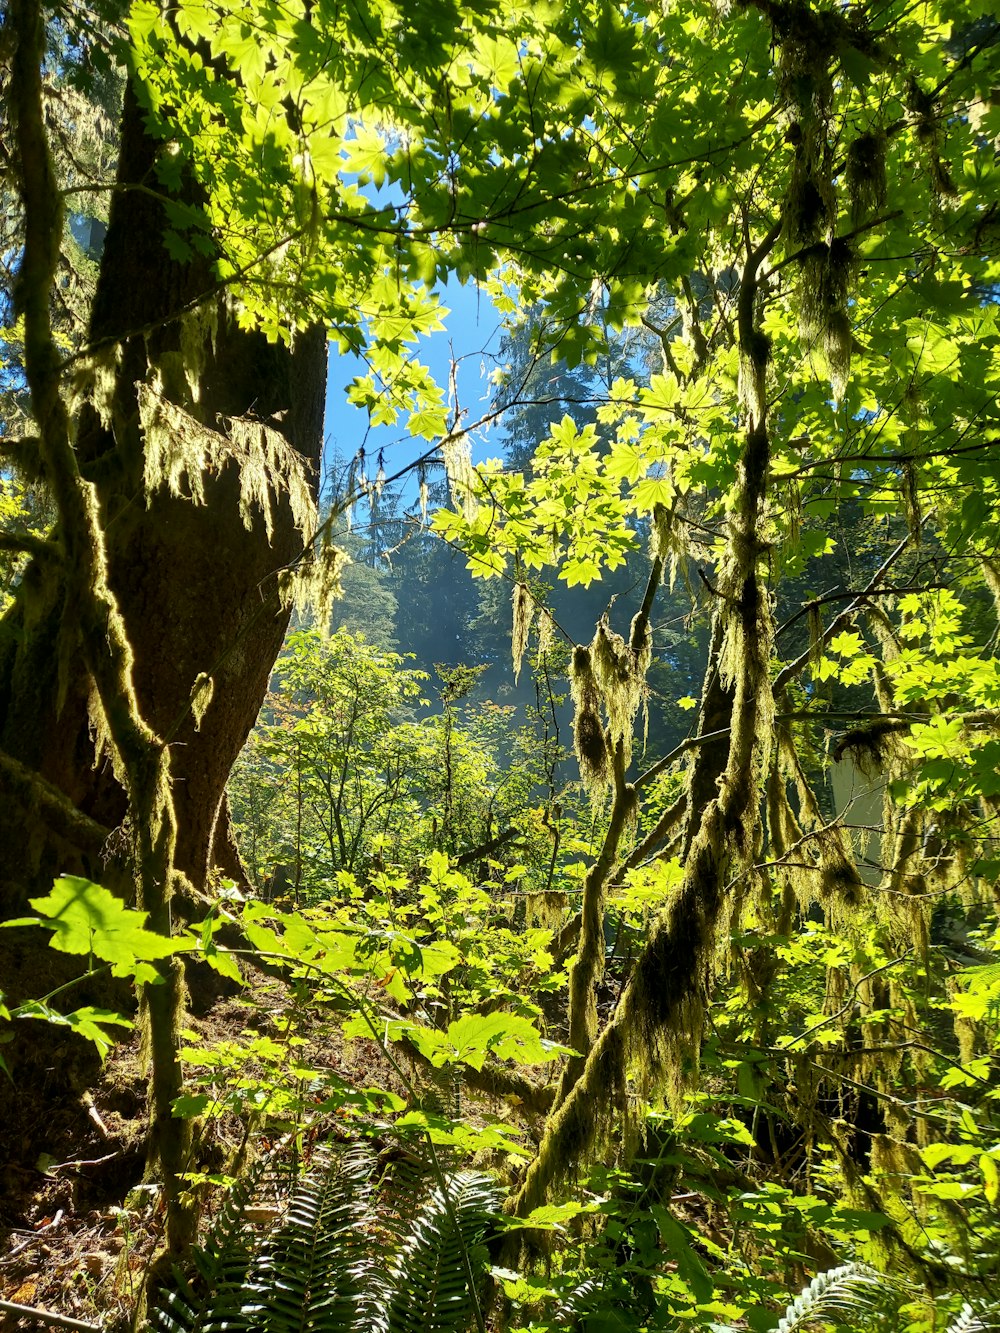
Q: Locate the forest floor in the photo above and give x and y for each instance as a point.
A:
(77, 1225)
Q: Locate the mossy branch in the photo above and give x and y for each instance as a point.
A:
(104, 641)
(33, 793)
(588, 967)
(26, 543)
(657, 1025)
(658, 834)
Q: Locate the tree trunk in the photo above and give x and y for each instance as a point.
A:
(196, 585)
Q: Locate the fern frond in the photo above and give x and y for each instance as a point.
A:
(429, 1276)
(316, 1270)
(319, 1268)
(211, 1301)
(578, 1305)
(969, 1320)
(851, 1293)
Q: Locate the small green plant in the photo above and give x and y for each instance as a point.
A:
(347, 1253)
(90, 922)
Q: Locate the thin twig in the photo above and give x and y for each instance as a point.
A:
(49, 1317)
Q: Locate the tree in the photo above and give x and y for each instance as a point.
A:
(571, 158)
(127, 683)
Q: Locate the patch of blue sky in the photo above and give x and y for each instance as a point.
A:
(461, 357)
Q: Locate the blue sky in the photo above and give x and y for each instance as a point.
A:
(472, 334)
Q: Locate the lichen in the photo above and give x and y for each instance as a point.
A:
(590, 743)
(524, 610)
(866, 174)
(457, 454)
(827, 278)
(181, 453)
(201, 696)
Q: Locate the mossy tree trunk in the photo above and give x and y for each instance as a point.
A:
(141, 591)
(656, 1029)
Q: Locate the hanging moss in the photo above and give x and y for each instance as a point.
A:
(866, 174)
(457, 455)
(630, 802)
(827, 278)
(924, 118)
(809, 206)
(589, 741)
(314, 583)
(524, 609)
(814, 617)
(546, 909)
(591, 748)
(581, 673)
(839, 878)
(619, 681)
(837, 347)
(869, 746)
(911, 502)
(180, 452)
(669, 543)
(201, 696)
(546, 633)
(609, 676)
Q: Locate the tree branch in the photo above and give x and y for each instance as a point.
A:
(35, 793)
(841, 621)
(26, 543)
(38, 1316)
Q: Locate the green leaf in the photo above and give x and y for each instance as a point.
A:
(677, 1242)
(365, 154)
(89, 920)
(88, 1022)
(191, 1105)
(508, 1036)
(991, 1177)
(857, 1220)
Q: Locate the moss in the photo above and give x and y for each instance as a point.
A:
(201, 697)
(911, 502)
(580, 668)
(591, 748)
(828, 273)
(669, 542)
(808, 208)
(866, 174)
(837, 347)
(523, 608)
(840, 879)
(815, 622)
(868, 746)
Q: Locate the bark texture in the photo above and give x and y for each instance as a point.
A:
(196, 587)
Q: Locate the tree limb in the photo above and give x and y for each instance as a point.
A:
(35, 793)
(26, 543)
(841, 621)
(38, 1316)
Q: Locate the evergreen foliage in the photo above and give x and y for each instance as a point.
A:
(323, 1266)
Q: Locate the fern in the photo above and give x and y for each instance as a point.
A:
(430, 1275)
(212, 1300)
(852, 1293)
(319, 1269)
(969, 1320)
(313, 1269)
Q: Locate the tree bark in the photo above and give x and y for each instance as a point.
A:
(196, 586)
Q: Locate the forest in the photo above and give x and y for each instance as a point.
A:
(530, 867)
